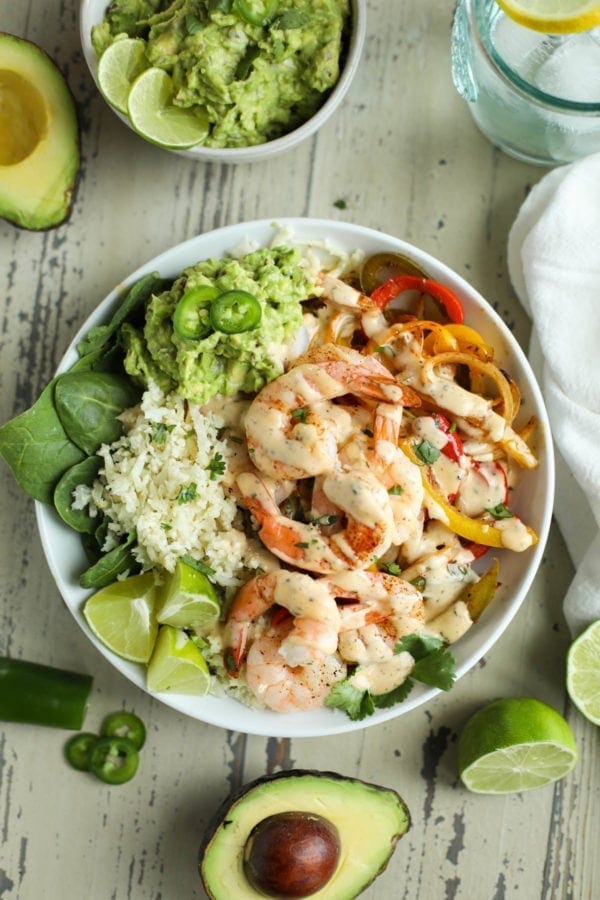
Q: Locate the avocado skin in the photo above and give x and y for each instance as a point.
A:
(226, 813)
(62, 208)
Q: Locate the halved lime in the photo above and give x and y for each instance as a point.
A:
(177, 665)
(119, 66)
(583, 672)
(122, 616)
(188, 599)
(154, 116)
(515, 744)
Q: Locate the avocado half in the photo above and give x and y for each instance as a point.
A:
(369, 820)
(39, 137)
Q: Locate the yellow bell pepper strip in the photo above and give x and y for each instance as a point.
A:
(41, 695)
(478, 530)
(470, 340)
(478, 596)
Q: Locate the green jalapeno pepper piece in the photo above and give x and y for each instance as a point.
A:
(42, 695)
(234, 312)
(380, 267)
(77, 750)
(191, 319)
(125, 724)
(256, 12)
(114, 759)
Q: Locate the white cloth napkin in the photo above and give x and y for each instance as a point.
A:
(554, 265)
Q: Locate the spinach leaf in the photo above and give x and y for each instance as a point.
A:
(136, 297)
(115, 562)
(88, 404)
(84, 472)
(37, 448)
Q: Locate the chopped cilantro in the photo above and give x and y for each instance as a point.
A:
(396, 490)
(302, 544)
(384, 348)
(500, 511)
(216, 466)
(165, 526)
(325, 520)
(427, 453)
(356, 704)
(340, 204)
(159, 435)
(187, 493)
(391, 568)
(452, 428)
(300, 413)
(420, 582)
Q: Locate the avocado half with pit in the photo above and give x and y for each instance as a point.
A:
(301, 834)
(39, 137)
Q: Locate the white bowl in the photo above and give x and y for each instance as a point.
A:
(91, 13)
(534, 496)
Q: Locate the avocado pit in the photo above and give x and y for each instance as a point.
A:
(291, 854)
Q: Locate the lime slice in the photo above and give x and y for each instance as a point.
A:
(553, 16)
(583, 672)
(177, 665)
(189, 600)
(122, 616)
(154, 116)
(513, 745)
(119, 66)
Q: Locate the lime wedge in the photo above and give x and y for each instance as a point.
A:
(583, 672)
(553, 16)
(119, 66)
(188, 599)
(122, 616)
(177, 665)
(155, 118)
(514, 745)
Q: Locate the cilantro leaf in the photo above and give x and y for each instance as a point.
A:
(500, 511)
(437, 669)
(390, 568)
(216, 466)
(300, 413)
(418, 645)
(427, 453)
(187, 493)
(400, 693)
(159, 435)
(356, 704)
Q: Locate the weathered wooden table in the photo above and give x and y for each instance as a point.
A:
(405, 157)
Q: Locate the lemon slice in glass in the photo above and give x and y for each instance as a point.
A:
(188, 599)
(553, 16)
(514, 745)
(122, 616)
(177, 666)
(119, 66)
(154, 116)
(583, 672)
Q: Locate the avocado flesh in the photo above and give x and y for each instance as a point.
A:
(39, 137)
(369, 818)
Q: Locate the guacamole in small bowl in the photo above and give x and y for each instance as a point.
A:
(256, 69)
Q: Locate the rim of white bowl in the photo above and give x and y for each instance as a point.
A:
(256, 152)
(326, 722)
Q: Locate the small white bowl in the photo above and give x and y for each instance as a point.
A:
(91, 13)
(533, 498)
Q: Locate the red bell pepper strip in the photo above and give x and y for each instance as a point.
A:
(382, 295)
(453, 449)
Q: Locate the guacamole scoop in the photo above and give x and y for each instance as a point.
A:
(219, 362)
(256, 68)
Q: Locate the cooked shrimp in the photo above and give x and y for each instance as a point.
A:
(316, 618)
(377, 597)
(292, 428)
(367, 533)
(346, 297)
(285, 688)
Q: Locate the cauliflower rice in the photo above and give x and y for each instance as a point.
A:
(158, 481)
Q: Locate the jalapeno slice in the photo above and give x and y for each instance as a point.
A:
(114, 759)
(78, 748)
(127, 725)
(235, 312)
(380, 267)
(191, 319)
(256, 12)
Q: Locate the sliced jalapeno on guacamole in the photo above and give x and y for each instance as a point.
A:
(114, 759)
(234, 312)
(256, 12)
(191, 319)
(380, 267)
